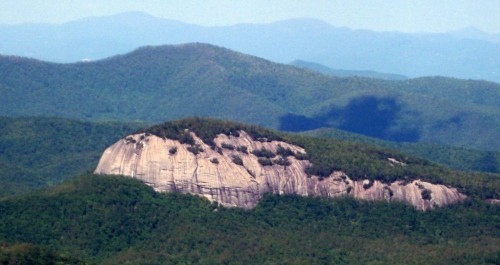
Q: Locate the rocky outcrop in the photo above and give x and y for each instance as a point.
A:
(231, 175)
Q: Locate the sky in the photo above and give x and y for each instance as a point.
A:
(379, 15)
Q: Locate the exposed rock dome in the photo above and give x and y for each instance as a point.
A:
(231, 174)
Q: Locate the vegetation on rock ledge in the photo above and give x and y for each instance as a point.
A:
(358, 160)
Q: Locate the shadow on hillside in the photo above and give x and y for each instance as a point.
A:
(488, 163)
(299, 123)
(372, 116)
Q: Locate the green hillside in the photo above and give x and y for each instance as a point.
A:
(27, 254)
(119, 220)
(453, 157)
(154, 84)
(39, 152)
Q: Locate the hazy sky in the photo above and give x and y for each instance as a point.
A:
(400, 15)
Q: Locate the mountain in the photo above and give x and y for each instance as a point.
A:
(89, 38)
(345, 73)
(475, 34)
(160, 83)
(118, 220)
(283, 41)
(203, 156)
(39, 152)
(235, 165)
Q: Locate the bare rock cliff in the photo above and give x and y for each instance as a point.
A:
(234, 177)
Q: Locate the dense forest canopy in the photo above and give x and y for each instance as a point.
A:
(120, 220)
(36, 152)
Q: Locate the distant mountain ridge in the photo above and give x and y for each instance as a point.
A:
(169, 82)
(411, 55)
(345, 73)
(474, 33)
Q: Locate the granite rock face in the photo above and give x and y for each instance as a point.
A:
(234, 177)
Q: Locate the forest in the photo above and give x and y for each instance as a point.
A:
(120, 220)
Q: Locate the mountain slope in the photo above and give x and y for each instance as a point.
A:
(40, 152)
(453, 157)
(283, 41)
(20, 253)
(169, 82)
(117, 220)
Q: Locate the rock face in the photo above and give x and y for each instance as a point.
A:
(234, 177)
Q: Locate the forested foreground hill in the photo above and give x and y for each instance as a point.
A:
(24, 254)
(168, 82)
(119, 220)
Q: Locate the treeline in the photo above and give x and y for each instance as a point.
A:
(207, 129)
(119, 220)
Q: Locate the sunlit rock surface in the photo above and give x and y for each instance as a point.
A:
(213, 174)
